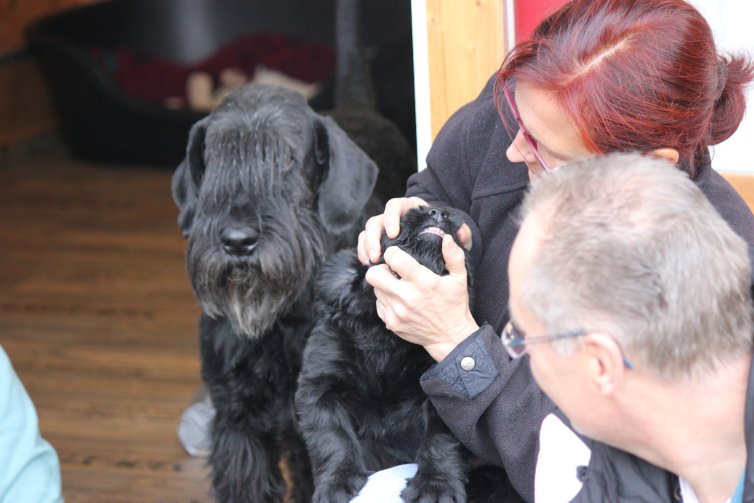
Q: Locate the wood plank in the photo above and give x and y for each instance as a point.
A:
(99, 320)
(466, 44)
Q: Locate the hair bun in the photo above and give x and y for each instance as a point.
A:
(730, 104)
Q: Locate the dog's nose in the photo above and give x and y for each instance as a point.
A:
(438, 214)
(239, 240)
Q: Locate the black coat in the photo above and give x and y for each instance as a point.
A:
(497, 408)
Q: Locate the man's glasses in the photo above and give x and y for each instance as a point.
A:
(515, 341)
(529, 139)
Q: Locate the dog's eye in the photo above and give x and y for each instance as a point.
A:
(289, 161)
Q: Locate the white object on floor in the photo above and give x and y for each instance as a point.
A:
(385, 486)
(193, 429)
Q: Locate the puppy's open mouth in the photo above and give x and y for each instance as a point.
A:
(433, 230)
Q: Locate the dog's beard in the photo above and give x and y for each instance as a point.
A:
(252, 307)
(255, 291)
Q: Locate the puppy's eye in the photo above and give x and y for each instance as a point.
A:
(288, 163)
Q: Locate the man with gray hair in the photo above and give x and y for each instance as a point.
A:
(632, 297)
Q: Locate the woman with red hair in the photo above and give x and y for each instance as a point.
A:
(597, 76)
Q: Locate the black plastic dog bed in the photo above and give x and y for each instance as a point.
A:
(101, 122)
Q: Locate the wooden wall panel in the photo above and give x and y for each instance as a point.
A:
(744, 184)
(466, 44)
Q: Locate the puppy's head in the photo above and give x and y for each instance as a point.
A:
(422, 231)
(342, 285)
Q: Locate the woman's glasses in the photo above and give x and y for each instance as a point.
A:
(528, 137)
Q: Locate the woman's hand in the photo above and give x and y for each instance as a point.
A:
(420, 306)
(369, 247)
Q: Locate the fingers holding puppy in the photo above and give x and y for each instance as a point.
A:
(420, 306)
(369, 249)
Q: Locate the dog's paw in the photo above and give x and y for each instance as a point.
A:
(340, 487)
(433, 489)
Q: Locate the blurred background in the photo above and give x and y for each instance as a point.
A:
(96, 99)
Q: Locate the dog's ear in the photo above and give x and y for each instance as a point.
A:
(348, 179)
(188, 176)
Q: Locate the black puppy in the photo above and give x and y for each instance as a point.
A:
(359, 402)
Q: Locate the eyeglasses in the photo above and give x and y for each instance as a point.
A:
(515, 341)
(528, 137)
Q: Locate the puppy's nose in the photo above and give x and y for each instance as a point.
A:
(239, 240)
(438, 214)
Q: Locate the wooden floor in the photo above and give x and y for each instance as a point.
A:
(98, 318)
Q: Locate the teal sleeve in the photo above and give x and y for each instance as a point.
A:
(29, 467)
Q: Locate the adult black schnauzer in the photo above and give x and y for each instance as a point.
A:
(267, 191)
(359, 401)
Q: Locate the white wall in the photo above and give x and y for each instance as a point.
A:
(421, 81)
(731, 23)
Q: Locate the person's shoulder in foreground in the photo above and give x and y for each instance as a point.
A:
(632, 297)
(29, 467)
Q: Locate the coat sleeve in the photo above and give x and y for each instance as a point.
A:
(492, 405)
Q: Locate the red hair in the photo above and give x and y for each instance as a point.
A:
(635, 75)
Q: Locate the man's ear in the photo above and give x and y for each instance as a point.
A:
(606, 363)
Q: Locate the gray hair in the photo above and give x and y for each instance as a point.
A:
(632, 247)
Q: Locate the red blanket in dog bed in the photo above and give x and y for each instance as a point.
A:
(161, 81)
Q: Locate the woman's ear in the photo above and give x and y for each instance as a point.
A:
(669, 154)
(606, 361)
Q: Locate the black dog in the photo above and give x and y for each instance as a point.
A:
(268, 190)
(359, 401)
(356, 103)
